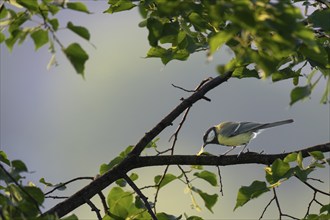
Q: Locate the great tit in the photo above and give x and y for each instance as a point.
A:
(234, 134)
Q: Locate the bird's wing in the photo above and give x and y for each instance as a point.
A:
(228, 129)
(234, 128)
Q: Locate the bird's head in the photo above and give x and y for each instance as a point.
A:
(210, 136)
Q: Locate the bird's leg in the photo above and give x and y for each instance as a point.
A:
(242, 150)
(229, 150)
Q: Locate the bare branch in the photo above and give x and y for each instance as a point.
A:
(186, 103)
(141, 195)
(220, 180)
(133, 162)
(315, 189)
(104, 202)
(263, 212)
(66, 183)
(56, 197)
(94, 209)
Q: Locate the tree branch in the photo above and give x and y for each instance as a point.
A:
(141, 195)
(186, 103)
(133, 162)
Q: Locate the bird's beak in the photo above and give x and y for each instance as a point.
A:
(202, 149)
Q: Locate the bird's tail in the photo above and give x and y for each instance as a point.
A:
(273, 124)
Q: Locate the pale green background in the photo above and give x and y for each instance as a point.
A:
(63, 126)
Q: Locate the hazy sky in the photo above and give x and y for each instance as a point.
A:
(63, 126)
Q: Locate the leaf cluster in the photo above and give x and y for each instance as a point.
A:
(267, 39)
(281, 171)
(38, 19)
(18, 200)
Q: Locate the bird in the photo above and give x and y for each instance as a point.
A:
(234, 134)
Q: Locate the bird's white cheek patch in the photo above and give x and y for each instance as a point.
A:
(210, 136)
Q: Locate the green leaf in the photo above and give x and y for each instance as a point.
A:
(208, 176)
(290, 158)
(19, 166)
(77, 57)
(165, 216)
(36, 193)
(315, 58)
(14, 36)
(119, 5)
(54, 23)
(299, 93)
(156, 52)
(279, 170)
(139, 203)
(244, 72)
(325, 208)
(166, 180)
(43, 181)
(155, 27)
(285, 73)
(81, 31)
(219, 39)
(198, 22)
(40, 38)
(317, 155)
(119, 202)
(105, 167)
(302, 174)
(4, 158)
(124, 153)
(121, 182)
(53, 8)
(134, 176)
(3, 12)
(152, 144)
(300, 160)
(77, 6)
(29, 4)
(2, 37)
(321, 18)
(209, 200)
(246, 193)
(194, 218)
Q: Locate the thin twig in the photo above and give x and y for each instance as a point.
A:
(175, 138)
(104, 202)
(70, 181)
(35, 202)
(158, 186)
(277, 203)
(163, 152)
(313, 188)
(220, 180)
(141, 195)
(279, 207)
(52, 31)
(318, 180)
(94, 209)
(263, 212)
(179, 87)
(310, 204)
(56, 197)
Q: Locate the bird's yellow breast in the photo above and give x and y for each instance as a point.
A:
(237, 140)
